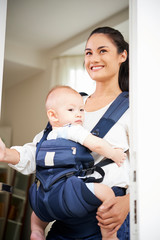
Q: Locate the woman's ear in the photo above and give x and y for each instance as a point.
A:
(52, 116)
(123, 56)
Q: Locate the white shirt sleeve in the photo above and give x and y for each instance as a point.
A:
(27, 163)
(76, 133)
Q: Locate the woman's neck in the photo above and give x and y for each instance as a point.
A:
(103, 95)
(106, 89)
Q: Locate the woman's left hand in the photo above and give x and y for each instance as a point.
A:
(111, 214)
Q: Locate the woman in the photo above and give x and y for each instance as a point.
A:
(106, 60)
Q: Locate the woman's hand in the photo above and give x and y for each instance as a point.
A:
(111, 214)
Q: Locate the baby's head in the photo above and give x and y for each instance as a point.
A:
(64, 105)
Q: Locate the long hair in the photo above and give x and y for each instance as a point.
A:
(121, 45)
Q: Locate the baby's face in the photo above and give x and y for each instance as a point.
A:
(70, 110)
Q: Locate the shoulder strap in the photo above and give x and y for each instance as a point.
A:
(44, 137)
(112, 115)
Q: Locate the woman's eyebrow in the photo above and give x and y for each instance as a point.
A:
(102, 47)
(89, 49)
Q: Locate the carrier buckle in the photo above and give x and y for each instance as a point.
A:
(38, 183)
(88, 171)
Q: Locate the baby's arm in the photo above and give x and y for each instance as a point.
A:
(20, 158)
(8, 155)
(79, 134)
(102, 147)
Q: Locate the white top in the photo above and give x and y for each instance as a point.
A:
(76, 133)
(118, 136)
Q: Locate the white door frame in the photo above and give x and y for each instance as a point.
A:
(145, 118)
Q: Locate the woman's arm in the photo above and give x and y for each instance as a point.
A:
(111, 214)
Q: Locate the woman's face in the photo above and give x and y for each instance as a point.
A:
(102, 60)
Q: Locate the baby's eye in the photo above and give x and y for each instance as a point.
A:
(82, 109)
(70, 109)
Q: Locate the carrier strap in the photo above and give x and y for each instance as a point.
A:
(93, 179)
(45, 134)
(104, 162)
(82, 174)
(98, 168)
(112, 115)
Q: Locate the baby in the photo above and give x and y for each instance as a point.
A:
(65, 111)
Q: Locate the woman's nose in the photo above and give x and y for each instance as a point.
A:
(95, 57)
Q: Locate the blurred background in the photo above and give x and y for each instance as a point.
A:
(44, 46)
(45, 42)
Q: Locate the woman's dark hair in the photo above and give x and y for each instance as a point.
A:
(121, 45)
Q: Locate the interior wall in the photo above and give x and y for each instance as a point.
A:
(24, 108)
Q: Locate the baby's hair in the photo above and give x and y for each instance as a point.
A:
(52, 93)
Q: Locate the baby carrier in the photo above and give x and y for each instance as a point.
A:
(62, 168)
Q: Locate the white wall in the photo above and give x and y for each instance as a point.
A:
(3, 12)
(24, 107)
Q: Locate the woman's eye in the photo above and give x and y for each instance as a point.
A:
(103, 51)
(88, 53)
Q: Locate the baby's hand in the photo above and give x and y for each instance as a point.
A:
(2, 150)
(119, 156)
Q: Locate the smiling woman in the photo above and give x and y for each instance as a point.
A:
(106, 60)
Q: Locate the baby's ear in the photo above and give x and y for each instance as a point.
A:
(52, 116)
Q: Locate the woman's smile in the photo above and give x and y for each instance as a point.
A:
(97, 67)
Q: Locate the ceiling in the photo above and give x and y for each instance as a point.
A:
(38, 29)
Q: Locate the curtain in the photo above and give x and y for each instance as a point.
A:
(69, 70)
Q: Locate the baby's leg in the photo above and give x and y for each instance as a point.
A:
(37, 228)
(104, 193)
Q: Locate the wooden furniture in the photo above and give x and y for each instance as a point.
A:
(4, 197)
(17, 206)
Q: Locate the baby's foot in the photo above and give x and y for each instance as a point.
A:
(36, 235)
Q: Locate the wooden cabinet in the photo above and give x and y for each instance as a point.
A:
(13, 217)
(4, 197)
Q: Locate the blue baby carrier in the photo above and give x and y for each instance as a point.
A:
(59, 191)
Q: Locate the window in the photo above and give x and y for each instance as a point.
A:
(80, 81)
